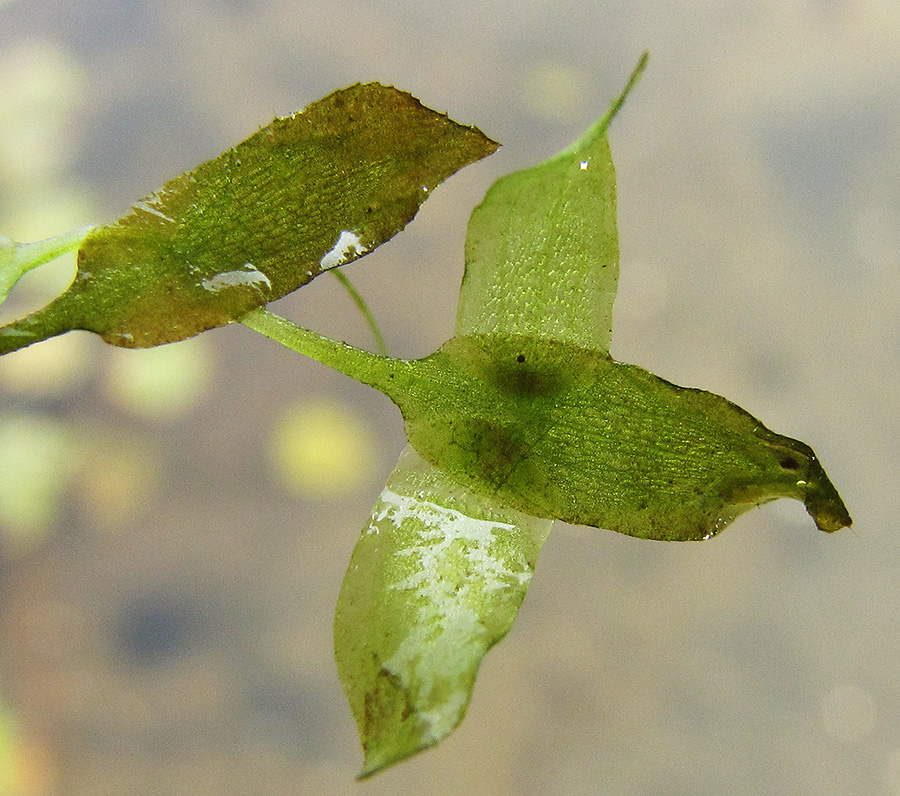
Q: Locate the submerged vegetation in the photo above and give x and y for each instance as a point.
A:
(520, 419)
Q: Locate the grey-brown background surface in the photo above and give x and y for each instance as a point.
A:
(166, 592)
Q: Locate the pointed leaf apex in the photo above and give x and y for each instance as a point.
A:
(598, 129)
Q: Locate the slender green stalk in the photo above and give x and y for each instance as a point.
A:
(600, 127)
(30, 255)
(17, 258)
(364, 309)
(373, 369)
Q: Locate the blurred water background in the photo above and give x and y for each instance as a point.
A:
(174, 524)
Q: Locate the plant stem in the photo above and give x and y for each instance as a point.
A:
(43, 251)
(364, 309)
(372, 369)
(17, 258)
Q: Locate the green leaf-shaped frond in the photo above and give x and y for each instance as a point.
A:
(542, 252)
(305, 194)
(436, 580)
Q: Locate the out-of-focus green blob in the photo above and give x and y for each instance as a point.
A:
(162, 383)
(436, 579)
(36, 462)
(307, 193)
(49, 370)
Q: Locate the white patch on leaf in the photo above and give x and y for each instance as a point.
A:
(462, 571)
(249, 276)
(149, 206)
(441, 529)
(347, 247)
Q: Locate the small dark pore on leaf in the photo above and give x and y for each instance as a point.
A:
(790, 463)
(520, 358)
(527, 382)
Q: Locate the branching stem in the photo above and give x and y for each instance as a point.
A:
(373, 369)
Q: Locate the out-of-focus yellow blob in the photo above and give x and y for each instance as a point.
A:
(160, 383)
(553, 90)
(39, 286)
(320, 449)
(9, 762)
(49, 368)
(117, 476)
(26, 769)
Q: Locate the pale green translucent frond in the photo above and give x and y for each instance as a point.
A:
(436, 580)
(542, 252)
